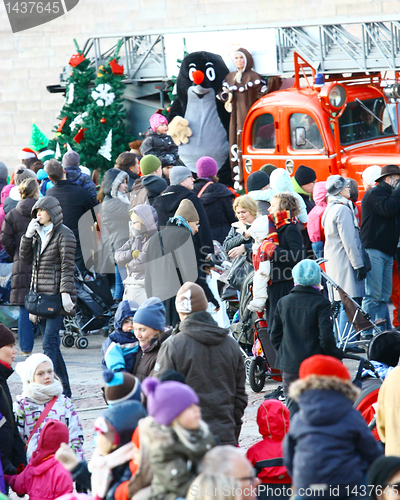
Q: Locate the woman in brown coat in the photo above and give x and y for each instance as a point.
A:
(14, 226)
(50, 247)
(240, 90)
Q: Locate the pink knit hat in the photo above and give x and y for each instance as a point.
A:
(156, 120)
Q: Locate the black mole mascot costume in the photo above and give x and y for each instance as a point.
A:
(198, 122)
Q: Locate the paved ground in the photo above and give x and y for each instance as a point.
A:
(86, 380)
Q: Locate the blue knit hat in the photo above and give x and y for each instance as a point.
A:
(306, 273)
(152, 314)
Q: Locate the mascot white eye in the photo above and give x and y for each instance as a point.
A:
(191, 71)
(210, 73)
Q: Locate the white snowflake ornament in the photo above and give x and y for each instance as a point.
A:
(102, 95)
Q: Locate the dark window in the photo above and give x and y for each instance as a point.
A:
(263, 133)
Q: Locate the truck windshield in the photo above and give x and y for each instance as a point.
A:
(366, 120)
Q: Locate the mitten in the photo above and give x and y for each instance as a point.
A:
(67, 303)
(32, 227)
(361, 273)
(228, 105)
(135, 254)
(66, 457)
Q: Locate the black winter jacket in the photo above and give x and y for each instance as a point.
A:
(54, 266)
(235, 238)
(167, 204)
(14, 226)
(380, 218)
(288, 253)
(218, 204)
(162, 146)
(302, 327)
(12, 448)
(213, 366)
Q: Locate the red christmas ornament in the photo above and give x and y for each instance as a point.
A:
(76, 59)
(116, 68)
(103, 120)
(79, 136)
(62, 123)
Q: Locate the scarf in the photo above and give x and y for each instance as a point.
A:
(341, 200)
(192, 439)
(101, 468)
(238, 77)
(41, 394)
(180, 221)
(276, 221)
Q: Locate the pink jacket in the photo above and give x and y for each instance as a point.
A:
(46, 481)
(314, 217)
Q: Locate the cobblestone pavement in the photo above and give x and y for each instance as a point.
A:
(84, 368)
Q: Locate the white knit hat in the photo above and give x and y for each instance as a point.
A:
(26, 369)
(371, 173)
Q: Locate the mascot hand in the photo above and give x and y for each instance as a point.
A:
(179, 130)
(228, 105)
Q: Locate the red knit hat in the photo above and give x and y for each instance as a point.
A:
(323, 366)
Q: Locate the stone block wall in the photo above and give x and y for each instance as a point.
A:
(32, 59)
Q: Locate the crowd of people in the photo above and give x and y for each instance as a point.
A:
(174, 377)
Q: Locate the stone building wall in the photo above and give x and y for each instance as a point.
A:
(32, 59)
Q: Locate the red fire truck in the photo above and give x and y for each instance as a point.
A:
(338, 125)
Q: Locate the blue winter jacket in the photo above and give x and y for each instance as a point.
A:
(328, 445)
(78, 178)
(120, 348)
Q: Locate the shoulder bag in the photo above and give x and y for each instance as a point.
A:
(40, 304)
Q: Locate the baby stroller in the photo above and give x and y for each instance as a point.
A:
(95, 310)
(383, 354)
(358, 320)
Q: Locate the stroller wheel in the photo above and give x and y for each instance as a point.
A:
(257, 374)
(68, 341)
(81, 342)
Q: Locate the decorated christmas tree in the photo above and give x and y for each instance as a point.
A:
(103, 135)
(77, 99)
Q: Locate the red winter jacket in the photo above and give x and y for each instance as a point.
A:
(273, 424)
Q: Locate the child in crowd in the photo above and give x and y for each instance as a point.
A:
(110, 461)
(120, 387)
(132, 255)
(159, 143)
(120, 348)
(45, 478)
(42, 397)
(266, 455)
(302, 325)
(149, 326)
(175, 436)
(329, 447)
(320, 196)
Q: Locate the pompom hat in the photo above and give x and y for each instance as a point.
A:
(306, 273)
(26, 369)
(120, 387)
(323, 366)
(156, 120)
(167, 400)
(206, 167)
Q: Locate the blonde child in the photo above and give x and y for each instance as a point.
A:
(175, 436)
(41, 394)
